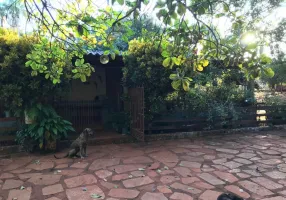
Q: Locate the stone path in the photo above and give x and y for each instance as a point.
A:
(250, 165)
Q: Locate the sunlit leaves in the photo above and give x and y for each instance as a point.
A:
(179, 80)
(268, 72)
(121, 2)
(181, 9)
(265, 59)
(205, 63)
(176, 84)
(167, 62)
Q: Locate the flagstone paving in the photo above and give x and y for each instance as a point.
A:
(250, 165)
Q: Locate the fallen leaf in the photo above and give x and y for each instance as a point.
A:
(96, 196)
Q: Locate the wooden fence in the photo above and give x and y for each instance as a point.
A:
(246, 117)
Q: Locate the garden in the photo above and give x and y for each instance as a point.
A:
(189, 67)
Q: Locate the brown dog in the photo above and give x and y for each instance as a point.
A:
(79, 145)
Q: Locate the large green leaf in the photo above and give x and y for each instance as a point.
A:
(167, 62)
(269, 72)
(176, 84)
(165, 54)
(121, 2)
(181, 9)
(186, 85)
(174, 77)
(265, 59)
(41, 131)
(83, 78)
(78, 62)
(145, 2)
(225, 7)
(176, 60)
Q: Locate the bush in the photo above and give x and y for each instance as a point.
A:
(20, 88)
(208, 102)
(272, 100)
(143, 67)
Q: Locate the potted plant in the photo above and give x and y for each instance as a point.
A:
(46, 129)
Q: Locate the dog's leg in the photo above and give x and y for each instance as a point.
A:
(85, 154)
(81, 151)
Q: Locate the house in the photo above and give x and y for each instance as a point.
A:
(90, 103)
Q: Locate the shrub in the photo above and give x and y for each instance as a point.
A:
(20, 88)
(46, 129)
(143, 67)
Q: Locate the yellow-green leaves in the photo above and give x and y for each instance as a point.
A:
(269, 72)
(79, 62)
(186, 84)
(176, 84)
(83, 78)
(265, 59)
(167, 62)
(180, 80)
(171, 61)
(199, 66)
(205, 63)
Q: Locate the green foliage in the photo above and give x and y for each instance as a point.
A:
(209, 102)
(119, 121)
(47, 126)
(143, 67)
(19, 88)
(273, 100)
(77, 28)
(278, 69)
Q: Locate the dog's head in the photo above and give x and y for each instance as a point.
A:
(88, 132)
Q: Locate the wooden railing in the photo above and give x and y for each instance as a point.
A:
(253, 116)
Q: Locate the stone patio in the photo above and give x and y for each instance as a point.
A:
(250, 165)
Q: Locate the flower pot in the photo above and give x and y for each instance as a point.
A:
(50, 144)
(28, 120)
(7, 113)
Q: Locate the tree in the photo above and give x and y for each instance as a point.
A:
(187, 26)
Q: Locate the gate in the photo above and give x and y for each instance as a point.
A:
(137, 112)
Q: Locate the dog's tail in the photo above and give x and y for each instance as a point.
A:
(65, 156)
